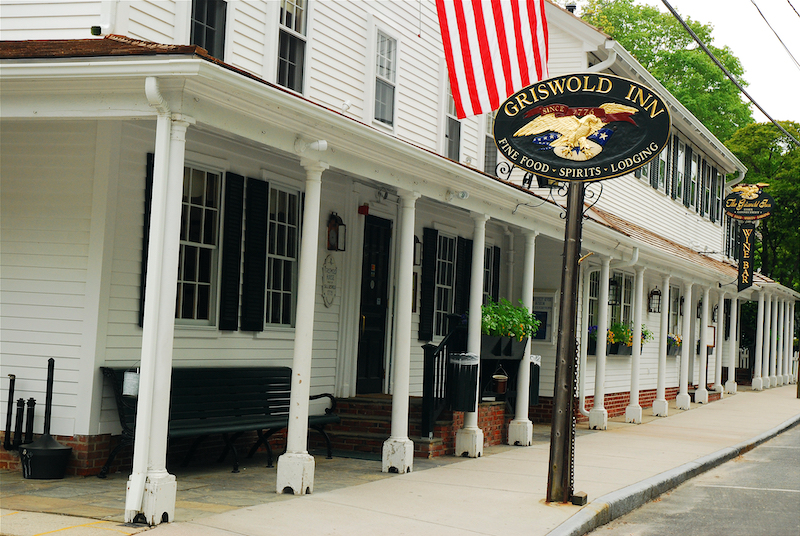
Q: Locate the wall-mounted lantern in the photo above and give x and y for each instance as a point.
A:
(417, 251)
(337, 232)
(654, 301)
(700, 308)
(714, 313)
(680, 307)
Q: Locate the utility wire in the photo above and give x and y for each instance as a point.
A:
(776, 33)
(727, 73)
(791, 6)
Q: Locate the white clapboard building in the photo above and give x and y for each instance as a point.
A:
(284, 183)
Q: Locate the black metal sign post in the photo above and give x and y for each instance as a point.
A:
(562, 432)
(577, 128)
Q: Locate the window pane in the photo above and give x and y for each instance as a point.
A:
(291, 50)
(453, 138)
(203, 302)
(187, 303)
(204, 266)
(293, 15)
(384, 102)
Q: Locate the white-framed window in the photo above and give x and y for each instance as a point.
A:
(452, 133)
(445, 283)
(622, 312)
(208, 26)
(674, 309)
(732, 237)
(292, 44)
(705, 209)
(283, 236)
(693, 186)
(488, 273)
(716, 195)
(199, 246)
(662, 168)
(385, 76)
(489, 146)
(594, 292)
(643, 173)
(680, 168)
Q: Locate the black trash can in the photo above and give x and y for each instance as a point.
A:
(463, 381)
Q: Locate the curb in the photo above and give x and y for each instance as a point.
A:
(618, 503)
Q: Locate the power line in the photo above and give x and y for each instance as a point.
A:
(791, 6)
(727, 73)
(776, 33)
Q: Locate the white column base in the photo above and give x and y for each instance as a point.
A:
(757, 385)
(683, 401)
(469, 442)
(633, 414)
(779, 380)
(295, 473)
(520, 433)
(397, 456)
(701, 396)
(773, 381)
(730, 387)
(158, 501)
(718, 388)
(660, 408)
(787, 379)
(598, 419)
(767, 382)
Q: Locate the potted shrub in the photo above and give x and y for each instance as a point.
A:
(673, 344)
(505, 329)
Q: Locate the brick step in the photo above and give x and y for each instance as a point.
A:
(358, 441)
(361, 424)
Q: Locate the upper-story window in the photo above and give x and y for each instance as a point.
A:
(489, 147)
(680, 167)
(695, 169)
(704, 211)
(674, 309)
(732, 238)
(208, 26)
(385, 74)
(292, 44)
(199, 245)
(662, 168)
(452, 129)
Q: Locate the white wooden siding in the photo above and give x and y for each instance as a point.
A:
(46, 202)
(152, 21)
(64, 19)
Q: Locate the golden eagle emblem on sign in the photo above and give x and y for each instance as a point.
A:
(749, 191)
(577, 134)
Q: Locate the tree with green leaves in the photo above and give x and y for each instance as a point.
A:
(659, 42)
(772, 158)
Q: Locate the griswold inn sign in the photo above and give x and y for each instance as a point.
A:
(748, 203)
(577, 128)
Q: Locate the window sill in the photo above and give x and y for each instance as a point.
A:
(184, 331)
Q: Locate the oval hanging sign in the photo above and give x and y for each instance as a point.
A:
(749, 202)
(582, 127)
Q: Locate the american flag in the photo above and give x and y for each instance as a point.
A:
(493, 49)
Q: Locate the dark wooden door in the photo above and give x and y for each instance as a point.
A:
(374, 298)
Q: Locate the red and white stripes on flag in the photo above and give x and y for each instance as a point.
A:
(493, 49)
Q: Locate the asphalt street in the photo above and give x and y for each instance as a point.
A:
(757, 493)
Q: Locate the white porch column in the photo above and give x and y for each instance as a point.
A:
(469, 439)
(398, 450)
(790, 344)
(767, 341)
(733, 350)
(787, 343)
(683, 400)
(757, 381)
(660, 406)
(296, 465)
(520, 430)
(598, 415)
(633, 413)
(773, 341)
(701, 395)
(720, 339)
(779, 341)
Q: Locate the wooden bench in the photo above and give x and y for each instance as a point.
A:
(227, 401)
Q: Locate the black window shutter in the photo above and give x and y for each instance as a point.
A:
(231, 253)
(430, 239)
(463, 275)
(255, 255)
(654, 164)
(674, 177)
(148, 199)
(495, 291)
(687, 177)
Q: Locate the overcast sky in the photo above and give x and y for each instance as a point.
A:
(773, 77)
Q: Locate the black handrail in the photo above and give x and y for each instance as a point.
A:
(435, 376)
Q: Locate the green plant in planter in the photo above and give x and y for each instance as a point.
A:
(673, 339)
(501, 319)
(619, 332)
(647, 336)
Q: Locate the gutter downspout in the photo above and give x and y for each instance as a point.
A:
(144, 406)
(608, 62)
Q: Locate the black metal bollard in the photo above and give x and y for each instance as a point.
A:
(18, 424)
(29, 421)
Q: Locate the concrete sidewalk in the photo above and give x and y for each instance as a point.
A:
(503, 493)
